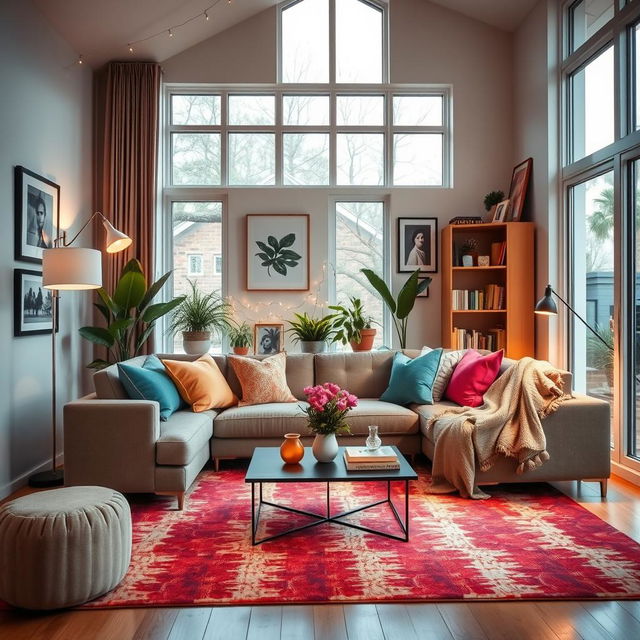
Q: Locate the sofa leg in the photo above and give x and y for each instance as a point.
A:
(603, 484)
(216, 464)
(178, 494)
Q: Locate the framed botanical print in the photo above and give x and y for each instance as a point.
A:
(418, 244)
(277, 249)
(37, 213)
(32, 304)
(268, 338)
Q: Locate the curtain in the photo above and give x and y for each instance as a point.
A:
(127, 99)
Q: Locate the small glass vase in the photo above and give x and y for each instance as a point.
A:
(373, 441)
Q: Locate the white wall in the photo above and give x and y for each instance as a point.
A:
(535, 135)
(428, 44)
(45, 125)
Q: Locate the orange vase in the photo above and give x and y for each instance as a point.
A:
(291, 450)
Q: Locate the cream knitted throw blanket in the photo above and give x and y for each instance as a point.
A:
(507, 424)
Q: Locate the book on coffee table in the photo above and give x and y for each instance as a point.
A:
(364, 455)
(376, 465)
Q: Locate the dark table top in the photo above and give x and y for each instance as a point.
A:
(267, 466)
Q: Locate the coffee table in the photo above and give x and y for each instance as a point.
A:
(266, 466)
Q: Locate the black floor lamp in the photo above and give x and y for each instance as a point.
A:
(71, 269)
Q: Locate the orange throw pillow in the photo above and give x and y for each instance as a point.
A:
(262, 381)
(201, 383)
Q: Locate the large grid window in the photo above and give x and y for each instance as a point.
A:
(600, 72)
(294, 138)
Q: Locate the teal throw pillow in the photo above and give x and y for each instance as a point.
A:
(151, 382)
(412, 378)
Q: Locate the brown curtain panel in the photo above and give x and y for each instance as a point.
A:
(127, 99)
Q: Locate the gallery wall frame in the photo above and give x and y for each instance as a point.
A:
(414, 251)
(32, 304)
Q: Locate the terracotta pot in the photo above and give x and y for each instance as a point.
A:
(291, 450)
(196, 342)
(366, 340)
(241, 351)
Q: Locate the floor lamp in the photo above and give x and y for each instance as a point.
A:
(71, 269)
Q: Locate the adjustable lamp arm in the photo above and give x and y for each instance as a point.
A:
(82, 228)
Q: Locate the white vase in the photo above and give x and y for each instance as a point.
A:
(325, 447)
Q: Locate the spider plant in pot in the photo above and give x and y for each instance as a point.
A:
(352, 325)
(240, 338)
(312, 333)
(200, 315)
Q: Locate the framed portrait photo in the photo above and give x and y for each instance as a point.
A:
(268, 339)
(502, 209)
(37, 213)
(277, 252)
(518, 189)
(32, 304)
(418, 244)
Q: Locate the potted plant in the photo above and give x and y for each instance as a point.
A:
(353, 326)
(491, 200)
(469, 252)
(198, 317)
(400, 308)
(312, 333)
(240, 338)
(600, 352)
(129, 315)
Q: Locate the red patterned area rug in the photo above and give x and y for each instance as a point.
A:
(526, 542)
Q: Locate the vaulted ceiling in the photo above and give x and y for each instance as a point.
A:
(102, 29)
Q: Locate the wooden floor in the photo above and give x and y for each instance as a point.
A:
(444, 621)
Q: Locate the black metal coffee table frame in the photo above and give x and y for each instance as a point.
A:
(310, 471)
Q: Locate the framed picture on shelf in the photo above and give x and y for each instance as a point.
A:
(37, 212)
(277, 249)
(268, 338)
(502, 209)
(518, 189)
(418, 244)
(32, 304)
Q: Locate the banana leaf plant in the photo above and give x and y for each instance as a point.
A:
(400, 308)
(129, 315)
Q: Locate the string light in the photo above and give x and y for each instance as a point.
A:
(80, 60)
(204, 13)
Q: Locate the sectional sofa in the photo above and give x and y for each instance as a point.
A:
(120, 443)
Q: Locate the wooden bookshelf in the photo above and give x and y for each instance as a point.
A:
(516, 275)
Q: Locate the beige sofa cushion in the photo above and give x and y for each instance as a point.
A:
(275, 419)
(364, 374)
(427, 411)
(183, 435)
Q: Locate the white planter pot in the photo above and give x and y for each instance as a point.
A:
(196, 342)
(325, 447)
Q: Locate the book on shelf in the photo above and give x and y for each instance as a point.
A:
(466, 220)
(498, 254)
(367, 456)
(491, 340)
(371, 466)
(491, 298)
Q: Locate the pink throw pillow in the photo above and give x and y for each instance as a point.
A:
(471, 378)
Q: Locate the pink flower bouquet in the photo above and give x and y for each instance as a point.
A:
(328, 406)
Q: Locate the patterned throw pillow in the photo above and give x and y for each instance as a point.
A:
(448, 363)
(201, 383)
(262, 381)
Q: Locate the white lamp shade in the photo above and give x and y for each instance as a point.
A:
(116, 240)
(71, 268)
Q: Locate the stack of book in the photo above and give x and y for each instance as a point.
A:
(363, 459)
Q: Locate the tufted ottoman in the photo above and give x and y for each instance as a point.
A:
(62, 547)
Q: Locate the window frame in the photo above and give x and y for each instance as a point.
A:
(195, 255)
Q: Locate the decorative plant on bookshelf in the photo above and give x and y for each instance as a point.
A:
(491, 200)
(469, 252)
(400, 308)
(353, 325)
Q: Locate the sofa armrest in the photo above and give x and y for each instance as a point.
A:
(111, 443)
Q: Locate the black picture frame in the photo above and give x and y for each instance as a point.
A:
(34, 320)
(425, 294)
(33, 195)
(408, 259)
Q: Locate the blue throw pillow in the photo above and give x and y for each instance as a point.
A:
(151, 382)
(412, 378)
